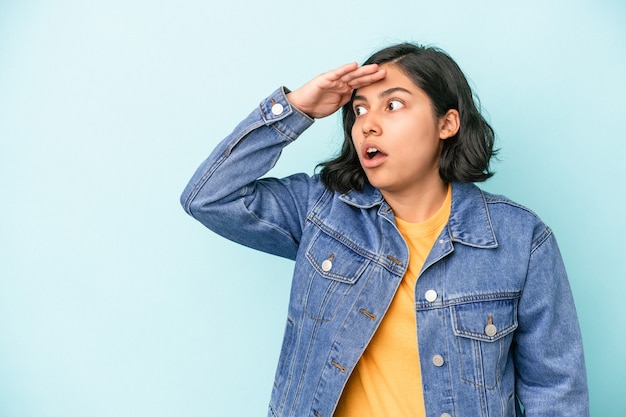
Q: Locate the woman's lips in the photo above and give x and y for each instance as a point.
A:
(372, 157)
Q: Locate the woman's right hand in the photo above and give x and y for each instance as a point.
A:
(326, 93)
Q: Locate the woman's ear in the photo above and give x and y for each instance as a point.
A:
(449, 124)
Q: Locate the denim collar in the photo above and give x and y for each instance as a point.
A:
(469, 223)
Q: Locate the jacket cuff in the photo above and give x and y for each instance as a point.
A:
(277, 111)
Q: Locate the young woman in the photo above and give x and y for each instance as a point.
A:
(414, 293)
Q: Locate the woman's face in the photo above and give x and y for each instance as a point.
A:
(396, 134)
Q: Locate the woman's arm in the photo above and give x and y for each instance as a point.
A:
(551, 378)
(226, 195)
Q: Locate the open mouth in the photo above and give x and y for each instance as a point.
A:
(371, 153)
(372, 156)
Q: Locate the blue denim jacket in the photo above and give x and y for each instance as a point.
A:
(496, 321)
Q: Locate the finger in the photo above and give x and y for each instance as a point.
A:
(367, 79)
(338, 73)
(359, 72)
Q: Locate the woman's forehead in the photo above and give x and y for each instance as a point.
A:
(395, 81)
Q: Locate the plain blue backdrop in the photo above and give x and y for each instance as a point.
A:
(114, 303)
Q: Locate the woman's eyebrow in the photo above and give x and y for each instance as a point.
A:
(384, 94)
(392, 90)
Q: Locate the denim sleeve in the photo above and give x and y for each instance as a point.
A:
(551, 376)
(226, 195)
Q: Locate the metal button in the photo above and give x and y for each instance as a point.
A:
(327, 265)
(438, 360)
(446, 415)
(491, 330)
(277, 109)
(431, 295)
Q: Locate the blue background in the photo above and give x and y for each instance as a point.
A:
(114, 303)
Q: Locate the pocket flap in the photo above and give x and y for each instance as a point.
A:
(334, 260)
(485, 320)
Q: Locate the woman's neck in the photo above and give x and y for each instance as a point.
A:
(418, 204)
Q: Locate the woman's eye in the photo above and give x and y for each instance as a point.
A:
(359, 110)
(394, 105)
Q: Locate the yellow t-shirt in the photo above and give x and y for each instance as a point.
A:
(387, 379)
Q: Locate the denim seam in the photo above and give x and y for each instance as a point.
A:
(330, 290)
(260, 220)
(300, 384)
(200, 184)
(335, 339)
(379, 259)
(290, 325)
(291, 135)
(447, 323)
(331, 275)
(475, 347)
(543, 237)
(503, 200)
(479, 336)
(500, 296)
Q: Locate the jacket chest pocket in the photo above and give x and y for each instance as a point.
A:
(484, 333)
(335, 268)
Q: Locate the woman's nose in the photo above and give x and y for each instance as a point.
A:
(371, 125)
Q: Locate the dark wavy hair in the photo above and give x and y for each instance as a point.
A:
(465, 157)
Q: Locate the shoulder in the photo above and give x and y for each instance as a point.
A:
(516, 218)
(506, 218)
(501, 203)
(303, 188)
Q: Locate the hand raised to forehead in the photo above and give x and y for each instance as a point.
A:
(326, 93)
